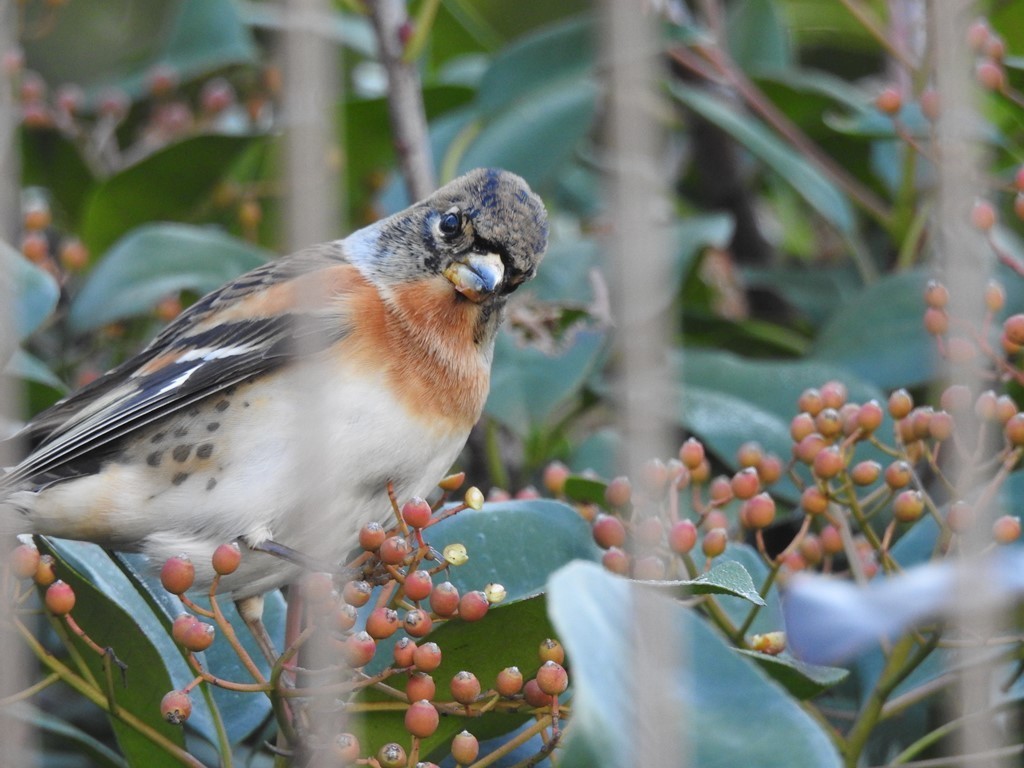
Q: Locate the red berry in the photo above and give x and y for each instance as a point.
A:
(178, 574)
(416, 512)
(46, 571)
(552, 678)
(682, 537)
(216, 95)
(74, 256)
(811, 549)
(509, 681)
(226, 558)
(831, 540)
(418, 585)
(745, 483)
(417, 623)
(344, 617)
(358, 649)
(427, 657)
(616, 561)
(618, 492)
(555, 475)
(936, 295)
(991, 76)
(978, 33)
(714, 542)
(444, 599)
(465, 748)
(197, 636)
(609, 531)
(1015, 429)
(983, 215)
(759, 511)
(889, 100)
(769, 469)
(801, 426)
(24, 561)
(692, 453)
(176, 707)
(808, 448)
(828, 462)
(534, 696)
(813, 500)
(371, 536)
(394, 550)
(810, 401)
(898, 475)
(60, 598)
(833, 394)
(936, 322)
(865, 472)
(1013, 327)
(473, 606)
(421, 719)
(382, 622)
(900, 404)
(1006, 529)
(465, 687)
(655, 476)
(357, 593)
(908, 506)
(404, 652)
(419, 686)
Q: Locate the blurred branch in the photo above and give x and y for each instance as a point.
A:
(405, 97)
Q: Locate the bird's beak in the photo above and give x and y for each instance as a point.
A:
(477, 276)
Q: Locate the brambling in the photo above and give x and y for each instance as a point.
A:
(276, 410)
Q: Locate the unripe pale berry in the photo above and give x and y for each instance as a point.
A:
(346, 748)
(983, 215)
(1006, 408)
(749, 454)
(956, 398)
(473, 498)
(60, 598)
(985, 405)
(649, 532)
(810, 401)
(959, 516)
(473, 606)
(649, 568)
(995, 294)
(452, 482)
(421, 719)
(552, 678)
(720, 490)
(427, 657)
(978, 33)
(417, 585)
(991, 76)
(509, 681)
(831, 540)
(801, 426)
(811, 549)
(420, 685)
(551, 650)
(936, 295)
(175, 707)
(769, 469)
(828, 423)
(898, 474)
(1015, 430)
(382, 622)
(1013, 327)
(759, 511)
(178, 574)
(771, 643)
(940, 427)
(46, 571)
(808, 448)
(318, 587)
(465, 687)
(226, 558)
(344, 617)
(936, 321)
(833, 394)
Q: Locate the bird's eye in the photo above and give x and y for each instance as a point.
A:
(450, 223)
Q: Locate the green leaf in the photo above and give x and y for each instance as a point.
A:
(98, 753)
(563, 51)
(814, 292)
(585, 489)
(115, 615)
(756, 35)
(24, 365)
(154, 261)
(167, 185)
(728, 711)
(725, 578)
(537, 135)
(879, 336)
(805, 681)
(34, 291)
(819, 192)
(49, 159)
(528, 385)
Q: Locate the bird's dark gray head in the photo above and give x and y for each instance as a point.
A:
(486, 232)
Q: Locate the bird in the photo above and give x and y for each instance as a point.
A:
(277, 410)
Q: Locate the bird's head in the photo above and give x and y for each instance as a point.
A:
(485, 232)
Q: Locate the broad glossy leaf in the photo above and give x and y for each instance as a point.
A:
(24, 365)
(534, 62)
(528, 385)
(167, 185)
(585, 489)
(35, 292)
(879, 336)
(99, 754)
(757, 37)
(536, 136)
(815, 292)
(154, 261)
(115, 615)
(805, 681)
(725, 578)
(728, 711)
(49, 159)
(819, 191)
